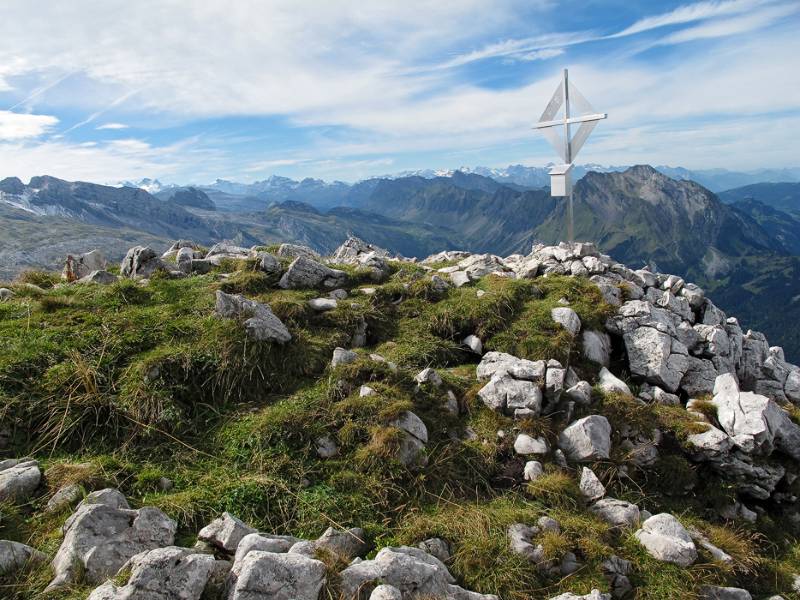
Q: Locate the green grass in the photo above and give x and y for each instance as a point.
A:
(121, 385)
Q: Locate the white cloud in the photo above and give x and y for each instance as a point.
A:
(732, 26)
(377, 79)
(107, 162)
(15, 126)
(689, 13)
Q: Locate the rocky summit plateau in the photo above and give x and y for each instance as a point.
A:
(266, 423)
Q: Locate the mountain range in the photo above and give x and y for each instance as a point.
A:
(244, 197)
(742, 244)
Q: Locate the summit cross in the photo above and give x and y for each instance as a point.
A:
(566, 145)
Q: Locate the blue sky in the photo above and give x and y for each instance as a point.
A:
(189, 91)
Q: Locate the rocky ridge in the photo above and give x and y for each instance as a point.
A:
(664, 344)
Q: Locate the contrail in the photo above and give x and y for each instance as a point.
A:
(42, 90)
(93, 116)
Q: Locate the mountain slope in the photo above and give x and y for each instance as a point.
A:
(780, 196)
(642, 216)
(102, 205)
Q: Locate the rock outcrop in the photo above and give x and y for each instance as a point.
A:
(103, 534)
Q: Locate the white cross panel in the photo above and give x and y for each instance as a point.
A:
(567, 95)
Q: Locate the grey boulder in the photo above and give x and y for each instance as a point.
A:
(596, 346)
(100, 538)
(225, 532)
(715, 592)
(307, 273)
(590, 486)
(617, 513)
(586, 439)
(665, 539)
(162, 573)
(141, 262)
(505, 394)
(410, 570)
(567, 318)
(260, 322)
(18, 479)
(612, 384)
(278, 577)
(15, 556)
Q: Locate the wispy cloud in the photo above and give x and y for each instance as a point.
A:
(690, 13)
(732, 26)
(112, 126)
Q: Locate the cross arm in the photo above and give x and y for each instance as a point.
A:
(581, 119)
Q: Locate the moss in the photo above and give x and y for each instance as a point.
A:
(534, 335)
(246, 281)
(555, 488)
(42, 279)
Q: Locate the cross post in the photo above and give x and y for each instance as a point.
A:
(568, 147)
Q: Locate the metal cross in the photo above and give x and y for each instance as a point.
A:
(568, 146)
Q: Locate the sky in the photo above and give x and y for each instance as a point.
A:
(188, 91)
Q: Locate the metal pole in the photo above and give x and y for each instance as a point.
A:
(570, 230)
(568, 154)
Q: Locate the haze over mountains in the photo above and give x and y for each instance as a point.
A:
(742, 244)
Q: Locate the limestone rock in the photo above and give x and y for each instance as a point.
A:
(611, 384)
(410, 570)
(495, 363)
(347, 544)
(505, 394)
(591, 487)
(593, 595)
(141, 262)
(580, 393)
(436, 547)
(430, 376)
(260, 322)
(15, 556)
(567, 318)
(100, 538)
(65, 496)
(527, 445)
(99, 277)
(755, 423)
(307, 273)
(295, 250)
(533, 470)
(278, 577)
(322, 304)
(587, 439)
(596, 346)
(342, 356)
(78, 267)
(326, 447)
(667, 540)
(225, 532)
(473, 342)
(618, 513)
(386, 592)
(715, 592)
(170, 572)
(263, 542)
(412, 444)
(656, 357)
(18, 480)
